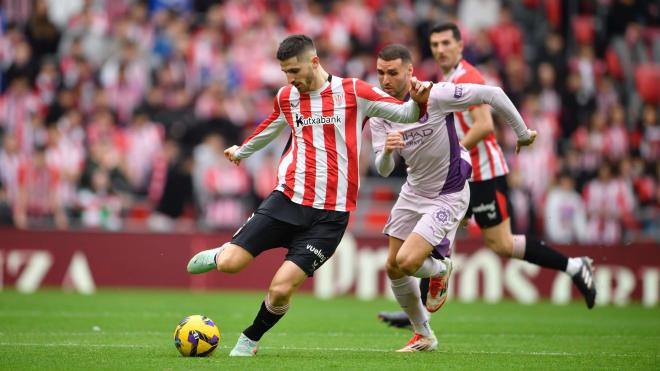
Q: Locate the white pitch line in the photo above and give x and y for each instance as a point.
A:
(104, 332)
(81, 345)
(370, 350)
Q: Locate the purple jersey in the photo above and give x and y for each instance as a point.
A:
(437, 163)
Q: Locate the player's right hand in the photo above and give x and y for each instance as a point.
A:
(394, 141)
(229, 154)
(420, 90)
(528, 141)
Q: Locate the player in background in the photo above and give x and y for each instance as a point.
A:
(488, 186)
(317, 178)
(435, 197)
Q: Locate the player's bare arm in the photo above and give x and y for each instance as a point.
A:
(482, 126)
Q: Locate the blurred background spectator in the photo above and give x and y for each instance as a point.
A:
(114, 113)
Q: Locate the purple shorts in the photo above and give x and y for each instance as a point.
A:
(435, 219)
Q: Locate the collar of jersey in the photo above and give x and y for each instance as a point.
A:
(321, 89)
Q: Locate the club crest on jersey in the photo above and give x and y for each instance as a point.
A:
(458, 91)
(338, 99)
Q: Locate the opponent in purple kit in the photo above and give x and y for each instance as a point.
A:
(436, 195)
(489, 202)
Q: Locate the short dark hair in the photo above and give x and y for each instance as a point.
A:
(395, 51)
(446, 27)
(293, 46)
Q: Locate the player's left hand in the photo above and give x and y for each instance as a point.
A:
(420, 90)
(229, 154)
(526, 142)
(394, 141)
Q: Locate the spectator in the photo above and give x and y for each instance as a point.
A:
(46, 83)
(41, 33)
(17, 110)
(5, 207)
(10, 159)
(616, 136)
(172, 191)
(100, 206)
(23, 65)
(143, 146)
(650, 143)
(38, 203)
(506, 36)
(67, 160)
(609, 201)
(523, 211)
(564, 213)
(219, 185)
(549, 98)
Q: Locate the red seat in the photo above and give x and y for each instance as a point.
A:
(382, 193)
(583, 29)
(613, 64)
(374, 220)
(553, 12)
(647, 77)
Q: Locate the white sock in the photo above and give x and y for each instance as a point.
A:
(573, 266)
(430, 268)
(406, 291)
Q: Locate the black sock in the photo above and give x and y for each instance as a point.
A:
(423, 289)
(262, 323)
(537, 252)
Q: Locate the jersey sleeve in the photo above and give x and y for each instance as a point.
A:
(448, 97)
(378, 134)
(377, 103)
(265, 132)
(472, 77)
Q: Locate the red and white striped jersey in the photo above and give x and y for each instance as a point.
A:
(319, 167)
(487, 158)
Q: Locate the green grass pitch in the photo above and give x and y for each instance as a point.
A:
(132, 329)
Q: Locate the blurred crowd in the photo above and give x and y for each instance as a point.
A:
(114, 113)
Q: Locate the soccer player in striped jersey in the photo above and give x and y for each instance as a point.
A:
(489, 200)
(435, 197)
(317, 178)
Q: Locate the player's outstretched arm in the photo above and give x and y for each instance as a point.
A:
(452, 98)
(265, 132)
(376, 103)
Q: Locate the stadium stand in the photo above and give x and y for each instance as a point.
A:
(131, 102)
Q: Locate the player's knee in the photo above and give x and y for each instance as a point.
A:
(229, 263)
(407, 264)
(501, 247)
(392, 268)
(280, 294)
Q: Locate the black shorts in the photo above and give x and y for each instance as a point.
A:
(311, 235)
(489, 202)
